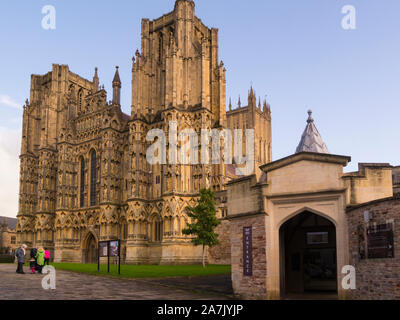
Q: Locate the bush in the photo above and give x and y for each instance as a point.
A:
(6, 258)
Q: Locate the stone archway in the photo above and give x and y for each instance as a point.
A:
(308, 256)
(90, 249)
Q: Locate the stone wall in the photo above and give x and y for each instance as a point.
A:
(5, 239)
(247, 287)
(376, 279)
(372, 181)
(221, 254)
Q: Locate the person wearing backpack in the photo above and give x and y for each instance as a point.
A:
(40, 259)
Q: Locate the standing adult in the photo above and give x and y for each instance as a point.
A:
(40, 259)
(20, 254)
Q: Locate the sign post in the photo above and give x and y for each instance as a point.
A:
(109, 249)
(108, 257)
(119, 256)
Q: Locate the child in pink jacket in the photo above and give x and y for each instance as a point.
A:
(46, 256)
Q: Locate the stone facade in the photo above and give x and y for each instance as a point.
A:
(84, 174)
(221, 254)
(8, 234)
(396, 180)
(376, 279)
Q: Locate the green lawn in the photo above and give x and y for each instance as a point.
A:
(146, 271)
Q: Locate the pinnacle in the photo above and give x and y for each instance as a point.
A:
(117, 79)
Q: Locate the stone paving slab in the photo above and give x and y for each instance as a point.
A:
(76, 286)
(217, 284)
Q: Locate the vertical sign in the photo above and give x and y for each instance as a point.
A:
(248, 251)
(361, 243)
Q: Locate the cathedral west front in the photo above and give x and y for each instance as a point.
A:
(84, 174)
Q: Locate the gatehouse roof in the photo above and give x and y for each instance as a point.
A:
(311, 140)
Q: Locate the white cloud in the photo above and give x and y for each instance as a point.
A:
(10, 142)
(9, 102)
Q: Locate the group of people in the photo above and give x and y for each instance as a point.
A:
(38, 259)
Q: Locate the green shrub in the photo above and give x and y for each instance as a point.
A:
(6, 258)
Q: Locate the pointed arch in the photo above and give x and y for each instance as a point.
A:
(87, 237)
(308, 252)
(318, 213)
(89, 246)
(156, 227)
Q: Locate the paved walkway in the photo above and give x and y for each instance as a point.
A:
(74, 286)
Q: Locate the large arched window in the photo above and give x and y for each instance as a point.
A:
(82, 184)
(160, 48)
(80, 98)
(93, 178)
(157, 229)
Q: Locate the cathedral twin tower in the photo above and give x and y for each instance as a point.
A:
(84, 176)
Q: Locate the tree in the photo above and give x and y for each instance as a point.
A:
(205, 221)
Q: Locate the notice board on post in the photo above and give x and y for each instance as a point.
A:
(109, 249)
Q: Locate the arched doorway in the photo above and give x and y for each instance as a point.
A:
(308, 256)
(90, 251)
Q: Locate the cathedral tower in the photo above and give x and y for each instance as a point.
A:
(178, 65)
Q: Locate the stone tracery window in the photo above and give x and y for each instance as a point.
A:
(80, 99)
(82, 184)
(93, 178)
(156, 229)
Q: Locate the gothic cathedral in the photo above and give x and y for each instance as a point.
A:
(84, 176)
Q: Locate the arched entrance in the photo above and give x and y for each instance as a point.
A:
(308, 256)
(90, 251)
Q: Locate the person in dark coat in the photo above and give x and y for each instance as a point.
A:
(20, 254)
(33, 256)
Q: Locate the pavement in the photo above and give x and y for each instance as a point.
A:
(77, 286)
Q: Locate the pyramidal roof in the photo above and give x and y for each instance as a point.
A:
(311, 140)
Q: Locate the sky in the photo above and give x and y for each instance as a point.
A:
(293, 52)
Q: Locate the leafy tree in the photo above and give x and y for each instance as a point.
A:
(205, 221)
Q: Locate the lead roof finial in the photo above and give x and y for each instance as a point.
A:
(310, 118)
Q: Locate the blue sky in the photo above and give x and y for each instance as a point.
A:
(295, 52)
